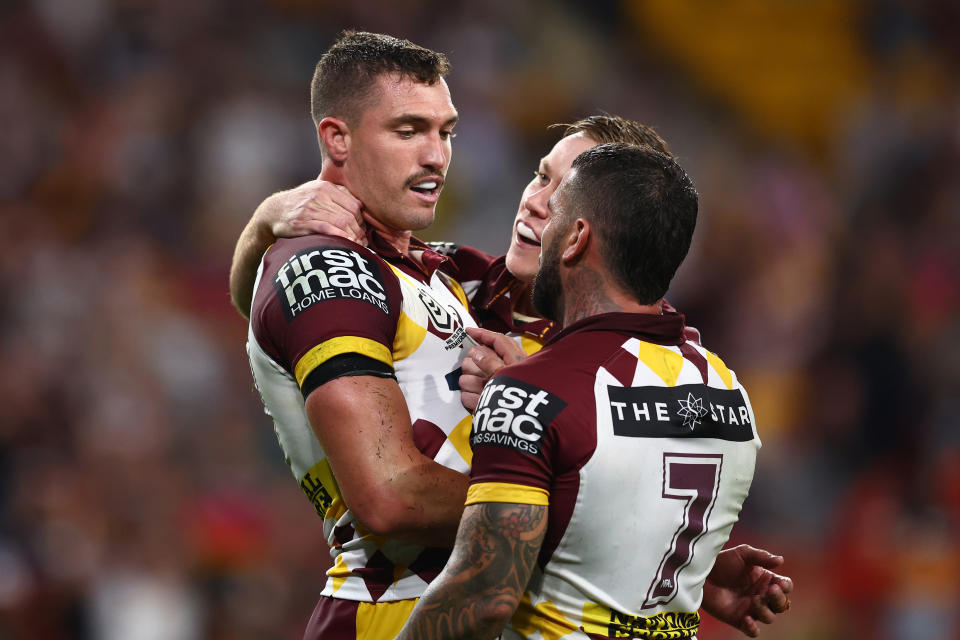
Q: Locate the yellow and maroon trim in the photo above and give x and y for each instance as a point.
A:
(507, 492)
(338, 346)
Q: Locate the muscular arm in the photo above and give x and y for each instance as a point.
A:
(253, 241)
(313, 207)
(481, 586)
(363, 424)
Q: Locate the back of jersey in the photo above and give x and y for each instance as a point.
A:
(648, 460)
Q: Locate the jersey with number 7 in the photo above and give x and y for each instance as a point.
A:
(644, 445)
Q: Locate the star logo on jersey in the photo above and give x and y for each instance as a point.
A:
(691, 410)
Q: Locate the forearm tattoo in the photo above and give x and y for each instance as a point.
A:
(496, 550)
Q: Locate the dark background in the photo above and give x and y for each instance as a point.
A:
(142, 492)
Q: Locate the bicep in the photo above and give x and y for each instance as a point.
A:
(363, 424)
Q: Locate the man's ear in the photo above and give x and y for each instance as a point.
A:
(576, 240)
(334, 135)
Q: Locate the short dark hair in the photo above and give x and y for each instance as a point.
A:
(345, 73)
(643, 207)
(604, 128)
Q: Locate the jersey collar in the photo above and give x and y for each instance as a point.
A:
(430, 260)
(666, 328)
(493, 297)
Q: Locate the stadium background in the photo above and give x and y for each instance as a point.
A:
(142, 494)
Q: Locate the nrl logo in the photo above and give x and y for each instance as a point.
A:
(445, 322)
(442, 319)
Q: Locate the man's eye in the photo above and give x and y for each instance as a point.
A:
(447, 135)
(541, 177)
(405, 133)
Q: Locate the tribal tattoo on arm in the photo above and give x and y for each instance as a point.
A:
(479, 589)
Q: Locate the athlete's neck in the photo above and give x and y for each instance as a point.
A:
(521, 299)
(589, 292)
(400, 240)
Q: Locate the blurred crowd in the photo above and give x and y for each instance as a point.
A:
(142, 492)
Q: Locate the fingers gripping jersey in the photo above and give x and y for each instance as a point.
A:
(321, 300)
(645, 444)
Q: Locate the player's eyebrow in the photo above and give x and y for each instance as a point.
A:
(419, 121)
(545, 164)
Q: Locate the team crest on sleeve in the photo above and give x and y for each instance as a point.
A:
(514, 415)
(313, 275)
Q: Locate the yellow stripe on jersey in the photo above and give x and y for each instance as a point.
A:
(530, 345)
(398, 571)
(666, 624)
(721, 369)
(507, 492)
(544, 617)
(339, 573)
(338, 346)
(383, 620)
(662, 361)
(457, 290)
(460, 438)
(402, 275)
(409, 337)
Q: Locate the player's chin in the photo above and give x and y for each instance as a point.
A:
(522, 262)
(421, 219)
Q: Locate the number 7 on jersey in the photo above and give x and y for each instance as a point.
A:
(693, 479)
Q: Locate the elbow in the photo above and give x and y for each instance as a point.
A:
(493, 614)
(387, 515)
(495, 618)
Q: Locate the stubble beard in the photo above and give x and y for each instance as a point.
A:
(547, 288)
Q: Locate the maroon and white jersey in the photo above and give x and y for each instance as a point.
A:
(643, 444)
(489, 286)
(325, 307)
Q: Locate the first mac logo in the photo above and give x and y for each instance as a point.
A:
(514, 414)
(326, 273)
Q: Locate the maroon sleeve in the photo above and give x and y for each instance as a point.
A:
(515, 439)
(320, 297)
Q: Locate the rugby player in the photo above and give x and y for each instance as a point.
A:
(349, 346)
(616, 457)
(330, 460)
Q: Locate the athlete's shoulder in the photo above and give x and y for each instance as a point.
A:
(515, 414)
(472, 264)
(465, 256)
(323, 276)
(541, 386)
(578, 353)
(284, 248)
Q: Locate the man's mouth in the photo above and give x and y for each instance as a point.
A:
(526, 236)
(428, 186)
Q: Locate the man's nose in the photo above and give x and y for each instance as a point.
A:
(435, 153)
(536, 203)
